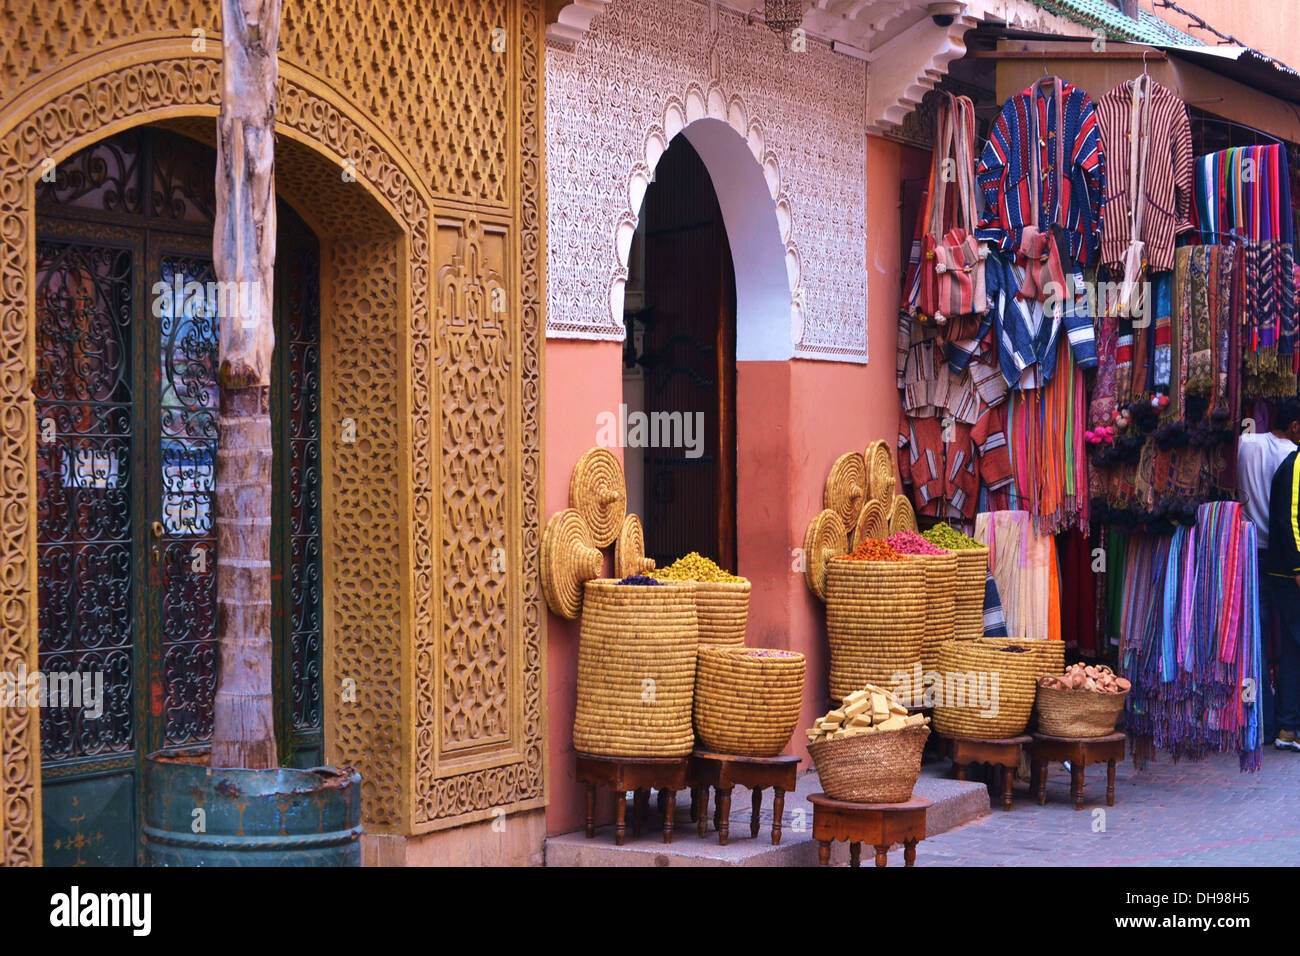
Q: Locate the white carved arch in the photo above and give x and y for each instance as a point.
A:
(756, 209)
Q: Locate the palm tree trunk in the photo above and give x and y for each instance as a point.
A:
(244, 252)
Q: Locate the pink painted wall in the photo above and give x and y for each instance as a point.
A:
(793, 420)
(582, 379)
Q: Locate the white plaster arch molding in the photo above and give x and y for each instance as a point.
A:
(756, 210)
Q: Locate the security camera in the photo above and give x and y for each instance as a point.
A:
(944, 13)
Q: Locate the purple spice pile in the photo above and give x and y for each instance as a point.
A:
(642, 580)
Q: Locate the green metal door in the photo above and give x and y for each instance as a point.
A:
(126, 404)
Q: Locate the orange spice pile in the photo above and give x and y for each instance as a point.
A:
(874, 550)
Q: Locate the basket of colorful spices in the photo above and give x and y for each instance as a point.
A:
(636, 668)
(875, 619)
(940, 607)
(721, 598)
(970, 582)
(747, 699)
(989, 684)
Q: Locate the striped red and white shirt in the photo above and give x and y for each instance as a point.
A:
(1168, 176)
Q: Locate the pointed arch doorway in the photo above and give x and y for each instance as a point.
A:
(126, 338)
(680, 366)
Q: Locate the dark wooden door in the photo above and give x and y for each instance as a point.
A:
(689, 359)
(126, 401)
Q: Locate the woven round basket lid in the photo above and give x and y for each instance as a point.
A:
(880, 472)
(629, 549)
(598, 492)
(873, 522)
(568, 560)
(824, 540)
(846, 487)
(901, 515)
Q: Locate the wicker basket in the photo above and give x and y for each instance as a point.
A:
(940, 602)
(722, 608)
(875, 622)
(1016, 666)
(636, 670)
(968, 592)
(1077, 713)
(747, 704)
(871, 768)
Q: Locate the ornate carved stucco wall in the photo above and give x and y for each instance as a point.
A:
(613, 99)
(432, 302)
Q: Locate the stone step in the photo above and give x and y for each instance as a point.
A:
(955, 803)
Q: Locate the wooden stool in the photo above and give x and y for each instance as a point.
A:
(1079, 752)
(639, 775)
(880, 825)
(724, 771)
(1004, 753)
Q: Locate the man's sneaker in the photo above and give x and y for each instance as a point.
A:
(1287, 740)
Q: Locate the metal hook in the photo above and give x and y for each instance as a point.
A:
(1144, 62)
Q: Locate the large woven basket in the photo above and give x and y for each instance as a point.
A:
(636, 670)
(722, 608)
(1009, 667)
(875, 622)
(940, 601)
(747, 700)
(1077, 713)
(871, 768)
(968, 592)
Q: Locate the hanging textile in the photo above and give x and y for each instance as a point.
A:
(1069, 193)
(1165, 137)
(943, 462)
(1023, 565)
(1244, 193)
(1078, 593)
(1190, 638)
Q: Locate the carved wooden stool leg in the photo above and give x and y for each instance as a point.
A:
(1110, 783)
(1038, 774)
(855, 854)
(824, 852)
(724, 816)
(1008, 775)
(959, 771)
(702, 814)
(753, 813)
(620, 816)
(778, 808)
(909, 853)
(591, 810)
(882, 855)
(669, 798)
(695, 803)
(1076, 783)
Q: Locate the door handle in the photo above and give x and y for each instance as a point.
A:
(157, 528)
(156, 553)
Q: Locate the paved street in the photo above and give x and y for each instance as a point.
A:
(1185, 814)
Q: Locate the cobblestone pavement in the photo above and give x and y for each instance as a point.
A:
(1184, 814)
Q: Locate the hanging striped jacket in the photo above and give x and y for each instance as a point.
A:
(1004, 172)
(1168, 175)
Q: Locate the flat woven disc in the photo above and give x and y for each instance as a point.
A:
(598, 491)
(568, 560)
(881, 476)
(901, 515)
(825, 539)
(872, 523)
(629, 549)
(846, 487)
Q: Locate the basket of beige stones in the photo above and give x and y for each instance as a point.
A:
(1085, 701)
(868, 750)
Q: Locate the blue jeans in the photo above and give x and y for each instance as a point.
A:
(1284, 596)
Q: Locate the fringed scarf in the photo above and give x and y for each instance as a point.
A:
(1190, 640)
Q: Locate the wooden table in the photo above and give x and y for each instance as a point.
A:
(636, 774)
(880, 825)
(1004, 753)
(1079, 752)
(724, 771)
